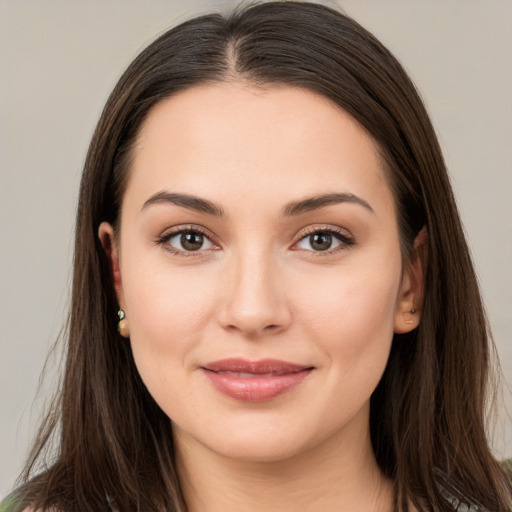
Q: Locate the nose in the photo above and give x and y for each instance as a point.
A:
(253, 299)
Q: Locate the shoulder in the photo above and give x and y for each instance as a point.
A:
(457, 497)
(465, 503)
(7, 506)
(12, 504)
(507, 464)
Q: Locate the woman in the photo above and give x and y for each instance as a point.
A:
(273, 302)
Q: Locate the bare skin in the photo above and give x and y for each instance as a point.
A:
(256, 284)
(334, 476)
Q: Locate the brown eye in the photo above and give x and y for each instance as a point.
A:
(320, 241)
(191, 241)
(188, 241)
(325, 240)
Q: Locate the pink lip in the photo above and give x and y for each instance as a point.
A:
(255, 381)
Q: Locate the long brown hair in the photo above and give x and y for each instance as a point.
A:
(427, 413)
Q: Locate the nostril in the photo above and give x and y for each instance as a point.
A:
(253, 313)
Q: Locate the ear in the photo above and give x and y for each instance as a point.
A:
(108, 241)
(410, 298)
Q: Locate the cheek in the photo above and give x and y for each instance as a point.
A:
(167, 311)
(351, 315)
(351, 320)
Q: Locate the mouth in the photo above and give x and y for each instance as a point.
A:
(255, 381)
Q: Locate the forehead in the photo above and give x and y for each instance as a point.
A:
(228, 140)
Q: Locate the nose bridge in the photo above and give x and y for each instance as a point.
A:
(254, 301)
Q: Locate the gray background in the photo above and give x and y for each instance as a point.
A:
(60, 59)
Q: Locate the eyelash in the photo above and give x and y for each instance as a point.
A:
(163, 241)
(346, 241)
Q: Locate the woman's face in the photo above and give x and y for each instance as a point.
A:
(259, 267)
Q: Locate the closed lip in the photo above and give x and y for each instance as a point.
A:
(257, 368)
(255, 381)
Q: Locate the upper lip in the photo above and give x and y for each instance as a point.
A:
(263, 366)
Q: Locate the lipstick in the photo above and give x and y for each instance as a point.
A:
(255, 381)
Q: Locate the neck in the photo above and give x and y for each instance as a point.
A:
(339, 474)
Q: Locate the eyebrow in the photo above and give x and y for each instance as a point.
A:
(291, 209)
(186, 201)
(320, 201)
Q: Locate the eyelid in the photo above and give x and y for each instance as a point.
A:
(346, 239)
(342, 235)
(176, 230)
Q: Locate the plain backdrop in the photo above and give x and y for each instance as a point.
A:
(60, 59)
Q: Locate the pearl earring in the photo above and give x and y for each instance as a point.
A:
(122, 326)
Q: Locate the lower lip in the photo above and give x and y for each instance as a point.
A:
(256, 389)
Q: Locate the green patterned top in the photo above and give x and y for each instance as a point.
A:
(10, 504)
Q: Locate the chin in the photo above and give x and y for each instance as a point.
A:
(260, 450)
(261, 441)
